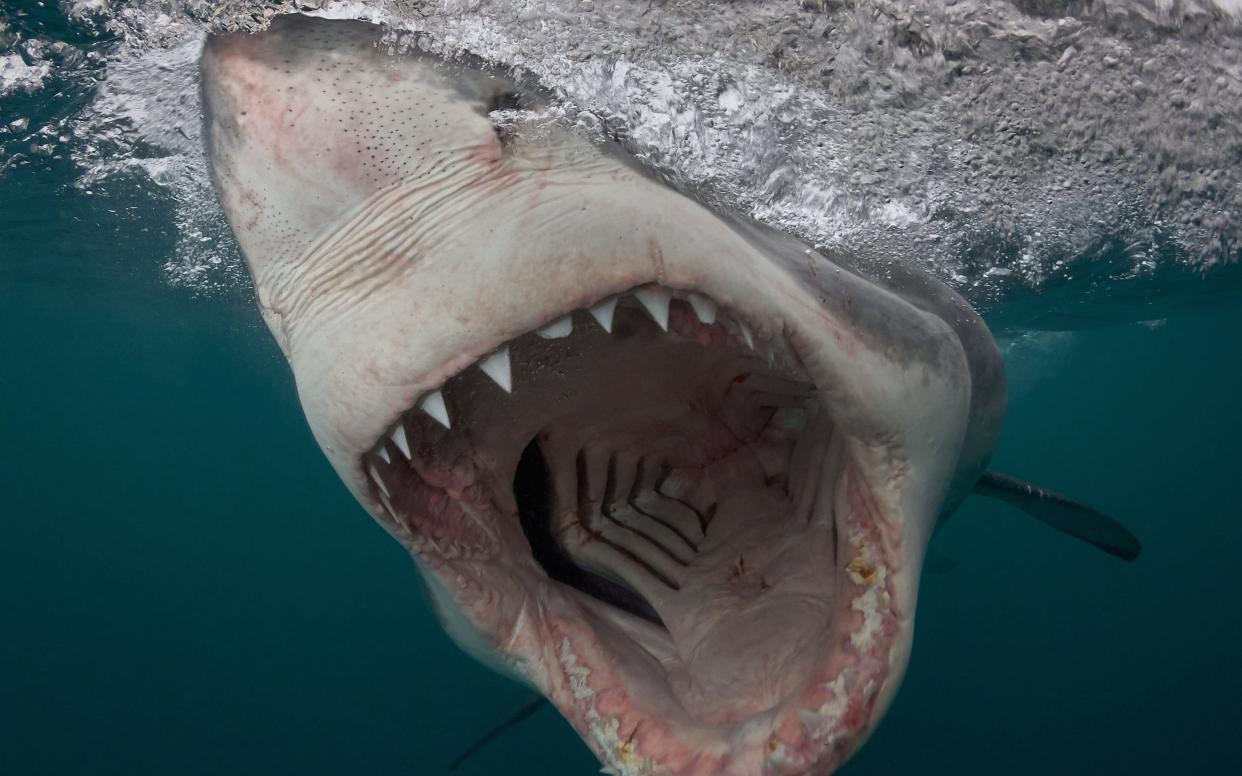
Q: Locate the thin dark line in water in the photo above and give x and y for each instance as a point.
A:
(521, 714)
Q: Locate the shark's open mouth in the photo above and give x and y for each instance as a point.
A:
(646, 511)
(673, 468)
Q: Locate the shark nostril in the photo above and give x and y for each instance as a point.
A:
(505, 100)
(497, 105)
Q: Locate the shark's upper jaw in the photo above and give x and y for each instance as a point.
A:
(644, 509)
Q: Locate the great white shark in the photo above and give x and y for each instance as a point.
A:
(675, 470)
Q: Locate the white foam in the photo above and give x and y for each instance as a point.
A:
(17, 76)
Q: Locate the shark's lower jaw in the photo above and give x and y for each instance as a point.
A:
(644, 510)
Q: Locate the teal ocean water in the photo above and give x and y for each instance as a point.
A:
(185, 587)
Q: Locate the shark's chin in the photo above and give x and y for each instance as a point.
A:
(644, 509)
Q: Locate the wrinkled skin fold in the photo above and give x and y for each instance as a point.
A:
(674, 470)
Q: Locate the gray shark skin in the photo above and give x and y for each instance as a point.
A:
(674, 470)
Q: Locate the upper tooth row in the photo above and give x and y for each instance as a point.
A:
(655, 300)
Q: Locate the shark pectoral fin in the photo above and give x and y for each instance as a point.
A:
(533, 702)
(1065, 515)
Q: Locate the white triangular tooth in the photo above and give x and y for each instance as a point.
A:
(704, 308)
(383, 453)
(603, 313)
(746, 335)
(399, 439)
(496, 366)
(379, 482)
(656, 300)
(561, 327)
(433, 405)
(388, 508)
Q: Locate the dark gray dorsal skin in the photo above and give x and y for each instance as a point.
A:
(748, 436)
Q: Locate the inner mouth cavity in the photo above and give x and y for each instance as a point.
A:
(532, 491)
(661, 460)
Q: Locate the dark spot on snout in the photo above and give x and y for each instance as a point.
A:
(504, 101)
